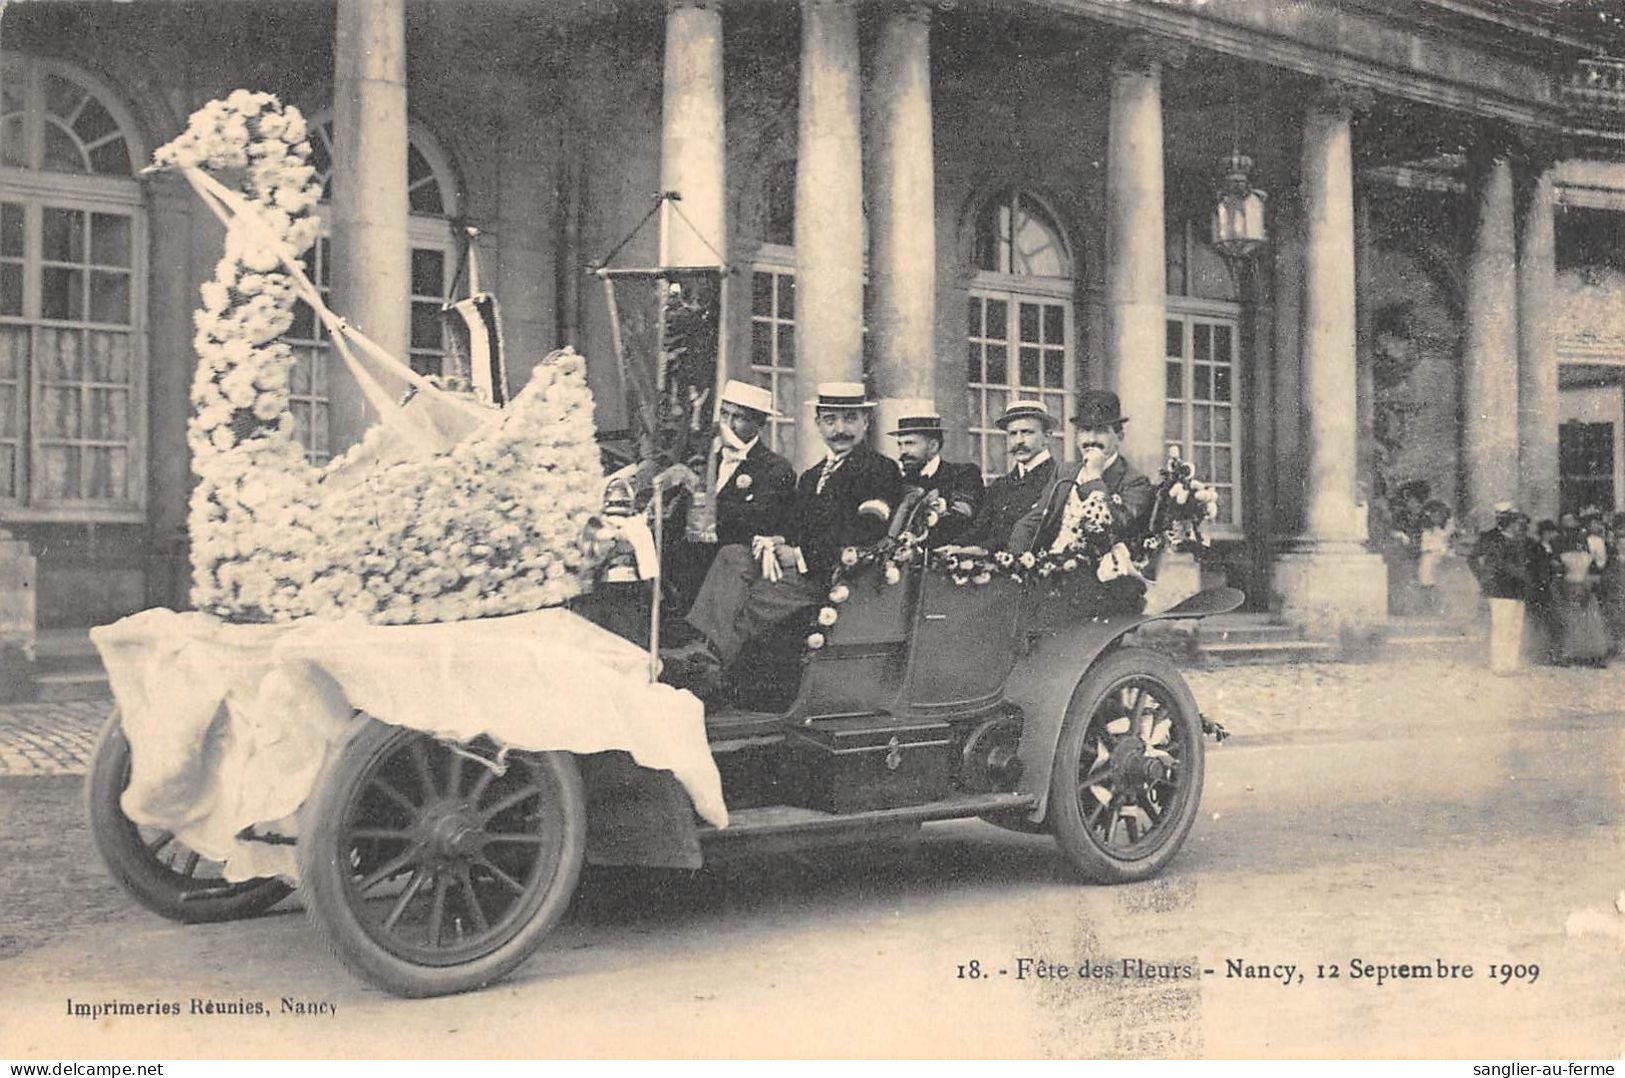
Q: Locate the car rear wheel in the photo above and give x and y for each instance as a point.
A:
(1127, 782)
(156, 868)
(429, 868)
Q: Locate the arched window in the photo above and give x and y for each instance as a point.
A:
(72, 297)
(432, 196)
(1020, 330)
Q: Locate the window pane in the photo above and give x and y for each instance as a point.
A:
(1173, 423)
(11, 288)
(425, 325)
(761, 344)
(998, 313)
(1222, 467)
(1202, 342)
(1054, 325)
(761, 294)
(62, 98)
(59, 355)
(10, 428)
(1029, 367)
(13, 351)
(1202, 457)
(1221, 425)
(1054, 368)
(1174, 382)
(787, 346)
(428, 272)
(1029, 322)
(8, 471)
(104, 473)
(787, 295)
(1202, 379)
(997, 401)
(997, 367)
(109, 297)
(975, 312)
(59, 413)
(13, 144)
(109, 239)
(1202, 424)
(1175, 337)
(1221, 344)
(58, 473)
(109, 415)
(1221, 383)
(973, 366)
(304, 321)
(11, 229)
(62, 294)
(63, 238)
(62, 153)
(94, 121)
(1227, 508)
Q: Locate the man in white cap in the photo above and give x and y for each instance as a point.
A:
(755, 487)
(844, 500)
(1026, 426)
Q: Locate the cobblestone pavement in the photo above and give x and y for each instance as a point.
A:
(1252, 702)
(50, 738)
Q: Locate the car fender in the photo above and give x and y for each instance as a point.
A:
(1053, 669)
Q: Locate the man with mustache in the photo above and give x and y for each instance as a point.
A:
(1026, 425)
(1100, 473)
(919, 453)
(844, 500)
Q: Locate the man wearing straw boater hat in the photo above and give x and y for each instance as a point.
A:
(846, 499)
(755, 487)
(1100, 468)
(1026, 426)
(919, 454)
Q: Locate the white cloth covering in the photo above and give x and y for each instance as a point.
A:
(229, 725)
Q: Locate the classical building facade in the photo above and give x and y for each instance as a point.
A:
(963, 202)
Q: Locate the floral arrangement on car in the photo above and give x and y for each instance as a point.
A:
(1180, 505)
(502, 522)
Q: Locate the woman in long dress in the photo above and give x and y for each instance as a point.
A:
(1585, 638)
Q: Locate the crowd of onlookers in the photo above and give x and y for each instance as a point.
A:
(1556, 588)
(1564, 580)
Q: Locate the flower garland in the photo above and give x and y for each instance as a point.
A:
(502, 523)
(1181, 504)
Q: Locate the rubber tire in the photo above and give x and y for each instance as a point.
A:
(134, 868)
(1064, 817)
(322, 883)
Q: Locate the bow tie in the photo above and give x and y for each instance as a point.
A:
(731, 455)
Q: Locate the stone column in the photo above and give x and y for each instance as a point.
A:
(1490, 368)
(1136, 279)
(829, 212)
(903, 215)
(370, 272)
(527, 185)
(171, 298)
(1537, 359)
(1325, 578)
(691, 139)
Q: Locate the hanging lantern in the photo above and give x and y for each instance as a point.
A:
(1238, 216)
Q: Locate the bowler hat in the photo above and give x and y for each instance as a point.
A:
(1026, 410)
(1099, 409)
(919, 424)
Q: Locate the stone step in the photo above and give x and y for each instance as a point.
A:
(1290, 649)
(71, 685)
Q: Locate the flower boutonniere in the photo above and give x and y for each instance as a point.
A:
(742, 481)
(1117, 499)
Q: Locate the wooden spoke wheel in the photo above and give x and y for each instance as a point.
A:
(1127, 782)
(426, 870)
(158, 870)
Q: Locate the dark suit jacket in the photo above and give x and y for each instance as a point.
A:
(1128, 492)
(764, 505)
(953, 483)
(1007, 500)
(826, 523)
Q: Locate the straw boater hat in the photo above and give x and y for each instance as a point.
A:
(843, 395)
(1099, 409)
(919, 424)
(746, 395)
(1026, 410)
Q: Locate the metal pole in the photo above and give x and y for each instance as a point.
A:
(654, 597)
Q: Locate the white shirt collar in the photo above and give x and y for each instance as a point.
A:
(1038, 458)
(930, 469)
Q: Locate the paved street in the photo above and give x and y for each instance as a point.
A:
(1398, 813)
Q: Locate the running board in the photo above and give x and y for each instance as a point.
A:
(788, 819)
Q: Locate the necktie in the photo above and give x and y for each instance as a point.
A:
(830, 464)
(728, 464)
